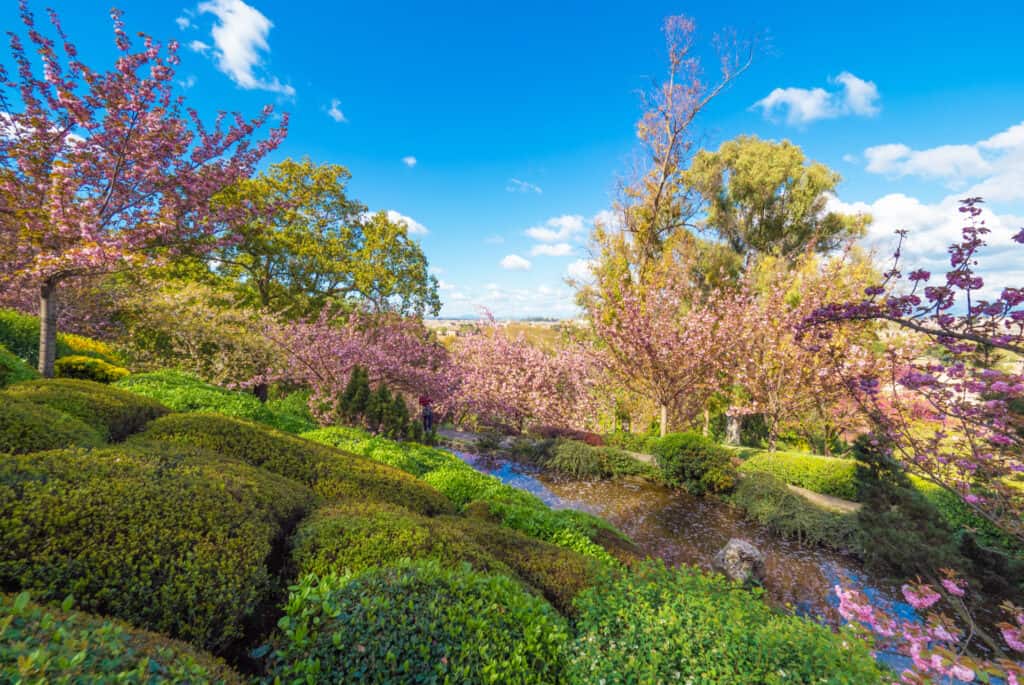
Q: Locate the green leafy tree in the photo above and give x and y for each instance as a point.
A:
(764, 197)
(303, 242)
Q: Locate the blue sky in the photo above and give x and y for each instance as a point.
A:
(481, 121)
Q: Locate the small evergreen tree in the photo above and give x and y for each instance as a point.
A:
(378, 407)
(396, 422)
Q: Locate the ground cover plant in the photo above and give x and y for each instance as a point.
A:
(827, 475)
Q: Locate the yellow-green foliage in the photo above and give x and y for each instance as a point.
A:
(88, 369)
(81, 346)
(329, 472)
(169, 538)
(27, 427)
(827, 475)
(49, 644)
(20, 334)
(116, 414)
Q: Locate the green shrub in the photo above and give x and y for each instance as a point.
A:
(694, 462)
(291, 413)
(959, 516)
(581, 460)
(69, 344)
(115, 413)
(417, 622)
(767, 500)
(170, 539)
(632, 442)
(462, 484)
(26, 427)
(47, 644)
(409, 457)
(659, 625)
(20, 334)
(13, 369)
(88, 369)
(329, 472)
(826, 475)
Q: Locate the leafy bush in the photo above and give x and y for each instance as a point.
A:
(19, 333)
(409, 457)
(88, 369)
(115, 413)
(291, 412)
(70, 344)
(13, 369)
(47, 644)
(26, 427)
(958, 516)
(462, 485)
(583, 461)
(329, 472)
(694, 462)
(417, 622)
(767, 500)
(168, 538)
(660, 625)
(827, 475)
(632, 442)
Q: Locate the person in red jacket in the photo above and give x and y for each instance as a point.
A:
(427, 413)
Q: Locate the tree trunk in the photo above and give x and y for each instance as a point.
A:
(663, 426)
(47, 328)
(707, 422)
(732, 429)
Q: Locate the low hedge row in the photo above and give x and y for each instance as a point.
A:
(171, 539)
(114, 413)
(329, 472)
(88, 369)
(658, 625)
(417, 622)
(185, 393)
(27, 427)
(47, 644)
(825, 475)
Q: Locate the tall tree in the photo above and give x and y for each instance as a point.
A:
(304, 242)
(105, 170)
(764, 197)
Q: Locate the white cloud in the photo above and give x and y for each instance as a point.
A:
(514, 262)
(409, 161)
(517, 186)
(992, 168)
(414, 227)
(580, 270)
(552, 249)
(240, 37)
(335, 111)
(856, 97)
(183, 22)
(198, 46)
(188, 82)
(557, 229)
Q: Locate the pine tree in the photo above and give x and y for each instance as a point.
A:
(378, 407)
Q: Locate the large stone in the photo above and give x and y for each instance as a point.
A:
(740, 561)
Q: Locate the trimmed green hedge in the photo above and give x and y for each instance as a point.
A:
(659, 625)
(825, 475)
(26, 427)
(115, 413)
(695, 462)
(329, 472)
(47, 644)
(13, 368)
(417, 622)
(88, 369)
(168, 538)
(20, 334)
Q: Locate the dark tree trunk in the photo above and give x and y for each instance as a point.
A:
(47, 328)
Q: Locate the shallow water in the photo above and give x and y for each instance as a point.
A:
(683, 529)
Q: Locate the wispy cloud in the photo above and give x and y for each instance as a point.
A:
(494, 239)
(516, 185)
(514, 262)
(335, 112)
(240, 38)
(854, 97)
(198, 46)
(557, 229)
(580, 270)
(409, 161)
(183, 22)
(552, 249)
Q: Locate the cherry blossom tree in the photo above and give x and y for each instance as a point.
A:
(106, 170)
(971, 383)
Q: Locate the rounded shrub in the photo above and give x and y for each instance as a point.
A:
(49, 644)
(88, 369)
(184, 392)
(13, 369)
(329, 472)
(170, 539)
(417, 622)
(26, 427)
(410, 457)
(115, 413)
(462, 484)
(660, 625)
(695, 462)
(71, 344)
(826, 475)
(581, 460)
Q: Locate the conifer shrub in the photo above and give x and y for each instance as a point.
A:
(417, 622)
(51, 644)
(113, 412)
(694, 462)
(27, 427)
(329, 472)
(88, 369)
(169, 539)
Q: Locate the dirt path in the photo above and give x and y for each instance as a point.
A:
(842, 506)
